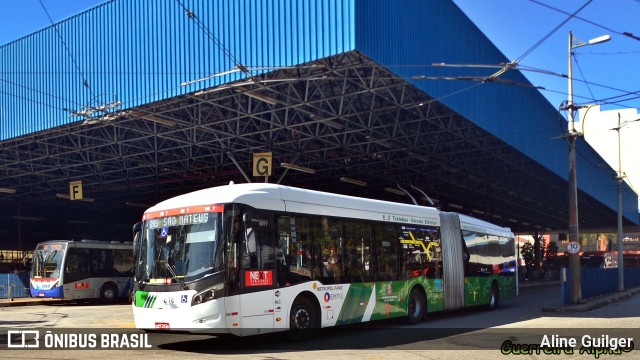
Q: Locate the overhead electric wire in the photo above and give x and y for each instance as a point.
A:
(623, 33)
(37, 91)
(611, 53)
(213, 38)
(544, 38)
(575, 58)
(31, 100)
(53, 25)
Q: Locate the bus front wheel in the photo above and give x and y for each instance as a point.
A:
(302, 319)
(109, 293)
(415, 307)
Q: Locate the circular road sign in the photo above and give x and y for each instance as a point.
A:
(573, 247)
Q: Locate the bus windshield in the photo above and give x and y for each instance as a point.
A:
(180, 248)
(47, 260)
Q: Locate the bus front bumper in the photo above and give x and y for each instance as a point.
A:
(161, 311)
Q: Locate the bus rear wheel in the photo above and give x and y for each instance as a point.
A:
(415, 307)
(109, 293)
(302, 319)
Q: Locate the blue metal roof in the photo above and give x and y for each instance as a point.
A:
(138, 52)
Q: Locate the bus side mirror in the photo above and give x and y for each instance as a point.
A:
(136, 238)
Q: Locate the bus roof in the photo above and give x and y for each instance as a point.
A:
(296, 200)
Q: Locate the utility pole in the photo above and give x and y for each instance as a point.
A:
(574, 258)
(620, 177)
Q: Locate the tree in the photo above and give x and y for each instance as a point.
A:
(538, 240)
(527, 252)
(551, 255)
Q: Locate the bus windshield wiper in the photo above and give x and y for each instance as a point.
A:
(175, 276)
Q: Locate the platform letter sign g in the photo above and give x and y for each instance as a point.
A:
(262, 164)
(20, 338)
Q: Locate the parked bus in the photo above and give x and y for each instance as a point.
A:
(86, 269)
(256, 258)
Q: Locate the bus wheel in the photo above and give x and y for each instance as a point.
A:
(109, 293)
(415, 307)
(302, 319)
(494, 297)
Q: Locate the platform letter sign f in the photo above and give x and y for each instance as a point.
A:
(75, 190)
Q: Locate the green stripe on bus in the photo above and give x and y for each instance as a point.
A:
(153, 300)
(355, 303)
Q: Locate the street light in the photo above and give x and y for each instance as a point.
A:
(574, 259)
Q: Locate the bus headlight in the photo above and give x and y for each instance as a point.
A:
(55, 284)
(207, 294)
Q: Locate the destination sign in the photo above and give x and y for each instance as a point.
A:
(178, 220)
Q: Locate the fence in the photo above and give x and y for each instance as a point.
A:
(14, 285)
(597, 282)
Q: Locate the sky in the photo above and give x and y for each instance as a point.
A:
(600, 71)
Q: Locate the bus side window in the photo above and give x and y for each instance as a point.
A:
(386, 252)
(71, 264)
(258, 243)
(295, 264)
(328, 248)
(357, 251)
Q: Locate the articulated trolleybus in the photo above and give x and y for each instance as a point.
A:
(85, 269)
(256, 258)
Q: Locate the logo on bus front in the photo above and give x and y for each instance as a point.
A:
(258, 278)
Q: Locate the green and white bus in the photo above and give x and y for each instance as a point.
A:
(256, 258)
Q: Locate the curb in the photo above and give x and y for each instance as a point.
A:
(20, 302)
(536, 284)
(593, 303)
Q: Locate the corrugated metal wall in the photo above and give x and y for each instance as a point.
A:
(140, 51)
(408, 36)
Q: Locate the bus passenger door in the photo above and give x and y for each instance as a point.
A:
(257, 273)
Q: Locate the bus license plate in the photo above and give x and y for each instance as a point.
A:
(162, 326)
